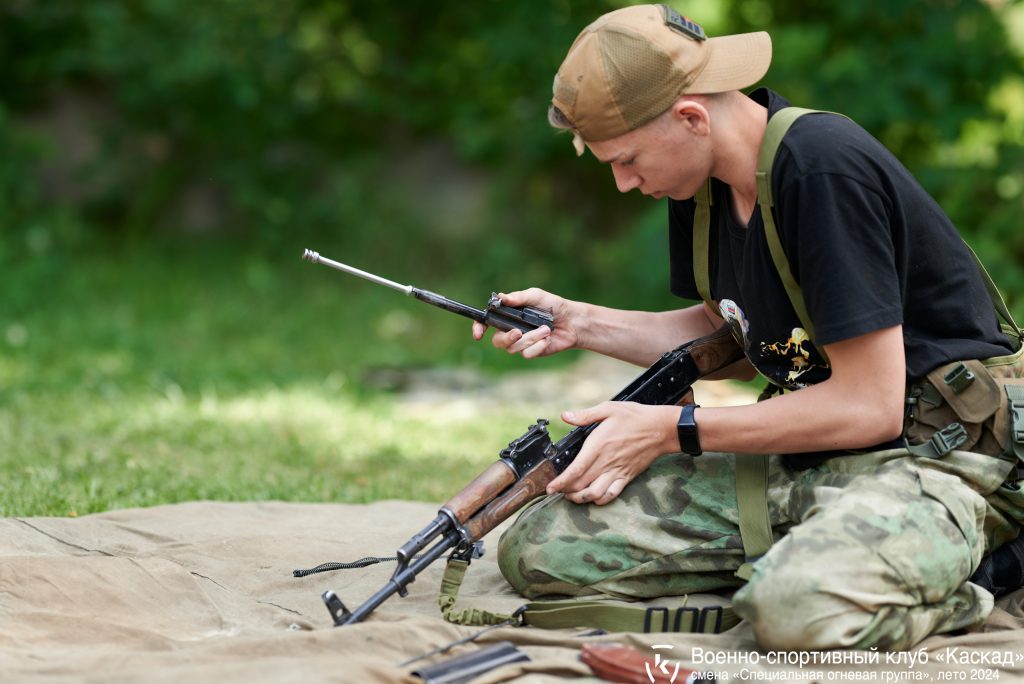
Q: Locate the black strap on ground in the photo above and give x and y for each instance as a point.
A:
(328, 567)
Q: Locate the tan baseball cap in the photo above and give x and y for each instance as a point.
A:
(630, 65)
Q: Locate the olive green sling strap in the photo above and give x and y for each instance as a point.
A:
(607, 614)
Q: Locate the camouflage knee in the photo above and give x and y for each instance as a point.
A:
(533, 560)
(656, 539)
(881, 564)
(793, 611)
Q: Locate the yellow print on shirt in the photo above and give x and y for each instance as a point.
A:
(795, 351)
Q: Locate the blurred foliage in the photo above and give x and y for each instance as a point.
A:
(164, 162)
(411, 138)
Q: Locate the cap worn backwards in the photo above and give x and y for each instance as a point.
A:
(630, 65)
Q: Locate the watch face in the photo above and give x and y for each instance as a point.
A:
(689, 440)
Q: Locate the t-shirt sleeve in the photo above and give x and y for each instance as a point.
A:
(846, 263)
(680, 248)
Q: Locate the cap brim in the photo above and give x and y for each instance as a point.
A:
(735, 62)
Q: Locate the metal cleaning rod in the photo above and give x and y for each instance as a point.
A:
(310, 255)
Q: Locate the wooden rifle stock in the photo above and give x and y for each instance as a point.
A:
(482, 489)
(526, 489)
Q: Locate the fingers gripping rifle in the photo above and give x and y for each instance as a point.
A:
(524, 469)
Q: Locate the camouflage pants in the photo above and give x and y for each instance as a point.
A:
(872, 550)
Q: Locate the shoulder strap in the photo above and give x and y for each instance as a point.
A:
(752, 506)
(701, 233)
(778, 126)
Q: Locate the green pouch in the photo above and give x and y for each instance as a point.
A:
(962, 393)
(972, 406)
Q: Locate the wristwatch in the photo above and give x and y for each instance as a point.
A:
(689, 439)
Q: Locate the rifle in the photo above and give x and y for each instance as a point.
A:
(496, 314)
(526, 466)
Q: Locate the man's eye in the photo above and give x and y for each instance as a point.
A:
(629, 162)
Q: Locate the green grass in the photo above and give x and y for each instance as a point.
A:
(145, 375)
(71, 455)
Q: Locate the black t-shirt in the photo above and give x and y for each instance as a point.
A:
(868, 246)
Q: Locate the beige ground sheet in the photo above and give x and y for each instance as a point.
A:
(203, 592)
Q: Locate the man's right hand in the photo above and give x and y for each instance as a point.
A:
(540, 342)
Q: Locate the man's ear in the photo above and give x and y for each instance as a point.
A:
(692, 113)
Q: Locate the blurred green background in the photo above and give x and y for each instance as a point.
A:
(163, 163)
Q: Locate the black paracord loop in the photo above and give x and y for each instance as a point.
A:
(328, 567)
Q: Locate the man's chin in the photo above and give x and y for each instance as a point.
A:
(680, 195)
(662, 195)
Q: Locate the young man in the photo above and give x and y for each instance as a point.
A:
(873, 545)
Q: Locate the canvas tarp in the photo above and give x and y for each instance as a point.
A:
(203, 592)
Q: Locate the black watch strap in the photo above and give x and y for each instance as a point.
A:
(689, 439)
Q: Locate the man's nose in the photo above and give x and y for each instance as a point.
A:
(625, 179)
